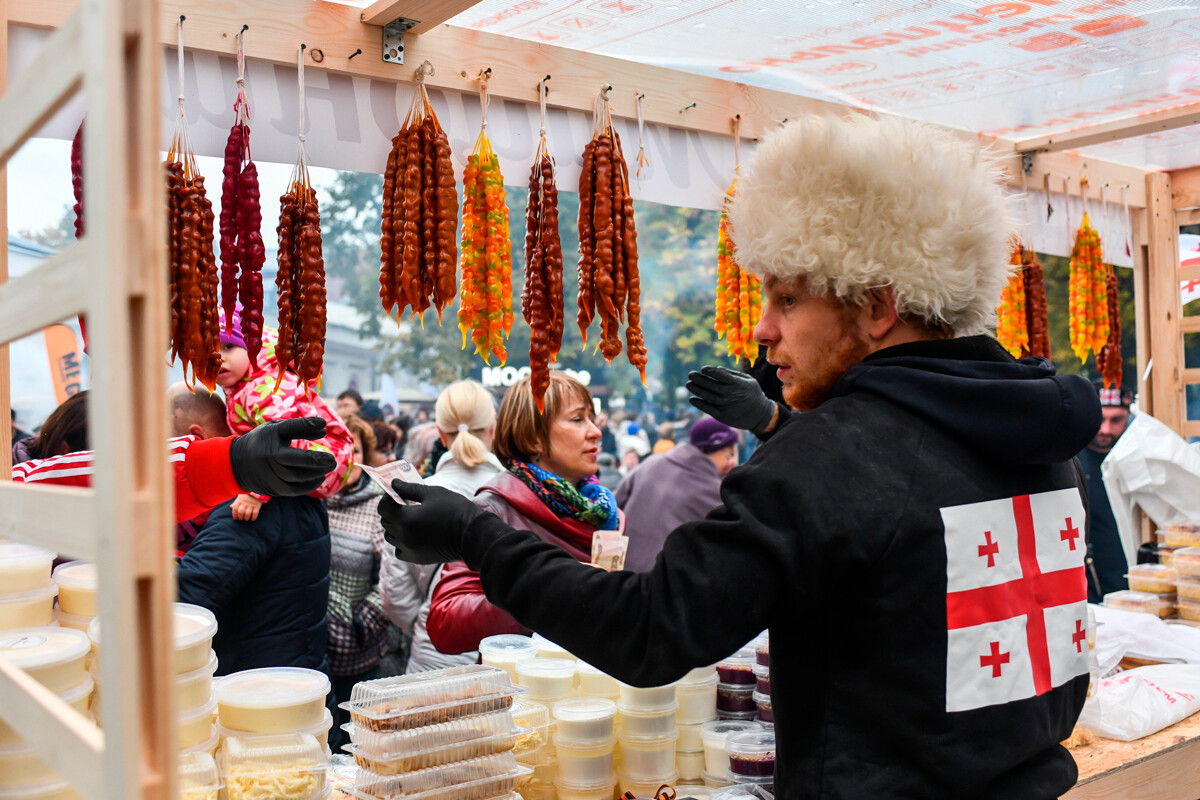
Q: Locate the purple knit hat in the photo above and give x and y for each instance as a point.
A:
(708, 435)
(233, 336)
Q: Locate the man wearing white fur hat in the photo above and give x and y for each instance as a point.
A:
(914, 540)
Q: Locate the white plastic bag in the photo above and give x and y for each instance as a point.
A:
(1142, 701)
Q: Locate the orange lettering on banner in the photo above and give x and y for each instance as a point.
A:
(62, 350)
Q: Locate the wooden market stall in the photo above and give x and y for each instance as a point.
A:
(111, 52)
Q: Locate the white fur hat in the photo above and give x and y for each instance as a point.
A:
(861, 203)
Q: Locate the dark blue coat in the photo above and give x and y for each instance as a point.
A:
(267, 581)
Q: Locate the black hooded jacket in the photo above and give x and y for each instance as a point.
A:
(915, 547)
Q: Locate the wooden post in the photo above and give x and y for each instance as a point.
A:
(1163, 303)
(6, 428)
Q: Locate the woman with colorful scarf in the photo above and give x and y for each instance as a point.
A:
(549, 487)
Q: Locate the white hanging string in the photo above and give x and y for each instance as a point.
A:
(241, 105)
(737, 143)
(1128, 221)
(1067, 202)
(642, 160)
(300, 172)
(543, 90)
(484, 76)
(300, 79)
(1103, 210)
(1046, 190)
(1083, 187)
(180, 55)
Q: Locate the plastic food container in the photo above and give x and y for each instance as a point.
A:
(1188, 586)
(198, 777)
(1184, 534)
(320, 731)
(72, 621)
(1189, 609)
(547, 678)
(1151, 578)
(599, 791)
(647, 759)
(735, 696)
(1166, 555)
(762, 679)
(692, 790)
(765, 713)
(209, 745)
(584, 764)
(194, 628)
(584, 720)
(505, 650)
(697, 697)
(427, 698)
(54, 657)
(548, 649)
(473, 779)
(20, 765)
(1162, 605)
(77, 582)
(392, 752)
(650, 698)
(715, 781)
(738, 668)
(594, 683)
(533, 742)
(538, 790)
(192, 689)
(690, 764)
(1186, 561)
(292, 766)
(195, 726)
(272, 700)
(751, 754)
(714, 734)
(648, 788)
(27, 609)
(762, 649)
(689, 736)
(78, 698)
(57, 790)
(642, 723)
(24, 567)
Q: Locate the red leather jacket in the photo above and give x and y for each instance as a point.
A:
(459, 613)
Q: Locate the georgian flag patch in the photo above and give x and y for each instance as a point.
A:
(1016, 598)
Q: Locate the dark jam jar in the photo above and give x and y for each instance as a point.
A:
(765, 713)
(762, 679)
(751, 754)
(735, 697)
(738, 668)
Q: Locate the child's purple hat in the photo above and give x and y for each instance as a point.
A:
(234, 335)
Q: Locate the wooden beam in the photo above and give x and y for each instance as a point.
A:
(1165, 119)
(428, 14)
(55, 289)
(1191, 273)
(41, 89)
(58, 518)
(1185, 188)
(1189, 324)
(1187, 216)
(1191, 376)
(277, 28)
(1166, 337)
(1141, 313)
(6, 428)
(1077, 166)
(1191, 428)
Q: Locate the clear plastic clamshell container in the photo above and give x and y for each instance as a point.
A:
(272, 699)
(287, 767)
(55, 790)
(1189, 587)
(1189, 609)
(533, 742)
(1157, 578)
(1183, 534)
(1161, 605)
(198, 777)
(23, 567)
(54, 657)
(77, 582)
(392, 752)
(1186, 561)
(473, 779)
(427, 698)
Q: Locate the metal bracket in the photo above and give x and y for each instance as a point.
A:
(1027, 163)
(393, 39)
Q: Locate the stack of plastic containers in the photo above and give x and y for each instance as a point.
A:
(54, 657)
(696, 694)
(547, 679)
(735, 691)
(26, 591)
(714, 736)
(585, 742)
(505, 650)
(77, 582)
(285, 767)
(1187, 568)
(594, 683)
(752, 758)
(548, 649)
(762, 679)
(449, 734)
(273, 701)
(648, 738)
(198, 777)
(195, 663)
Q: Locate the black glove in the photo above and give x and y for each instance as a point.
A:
(732, 397)
(264, 461)
(443, 525)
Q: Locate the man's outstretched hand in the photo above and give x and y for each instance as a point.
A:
(441, 527)
(732, 397)
(264, 461)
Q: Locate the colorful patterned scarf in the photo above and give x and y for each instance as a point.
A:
(586, 501)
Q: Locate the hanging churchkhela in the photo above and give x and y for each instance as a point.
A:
(420, 212)
(242, 249)
(1108, 360)
(485, 314)
(739, 293)
(1022, 323)
(542, 299)
(77, 191)
(1088, 295)
(609, 285)
(300, 281)
(194, 280)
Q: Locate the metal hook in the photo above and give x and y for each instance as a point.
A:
(689, 105)
(182, 17)
(357, 52)
(244, 29)
(641, 96)
(303, 47)
(783, 122)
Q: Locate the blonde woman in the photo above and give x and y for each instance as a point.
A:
(465, 417)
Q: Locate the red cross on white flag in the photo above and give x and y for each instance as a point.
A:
(1016, 598)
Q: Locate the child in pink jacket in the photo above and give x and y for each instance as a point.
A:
(251, 399)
